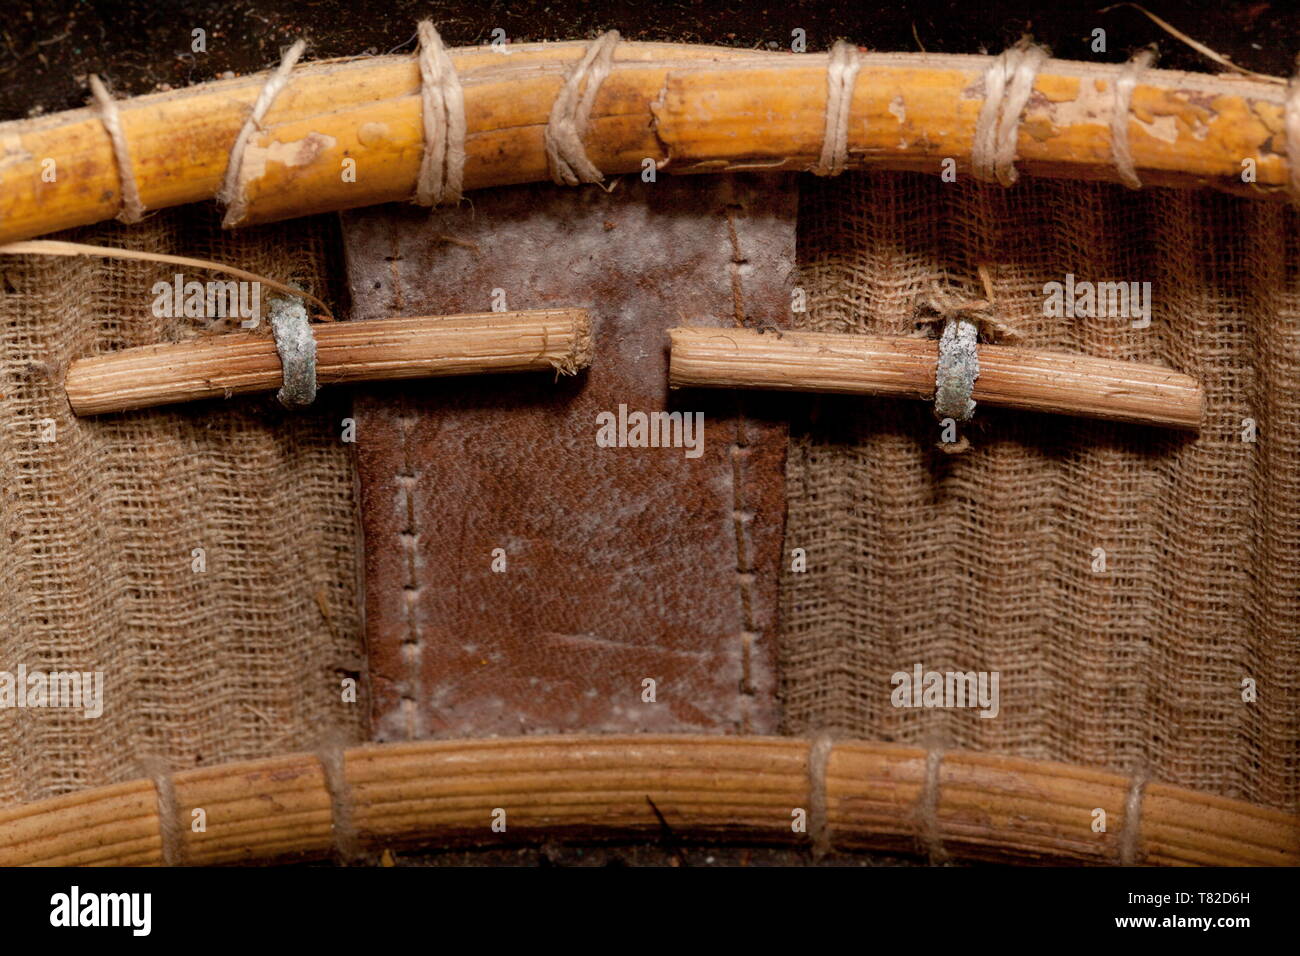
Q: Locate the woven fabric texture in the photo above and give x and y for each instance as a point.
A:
(99, 525)
(984, 561)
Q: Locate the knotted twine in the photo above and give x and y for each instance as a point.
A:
(231, 194)
(565, 155)
(442, 167)
(132, 210)
(1119, 115)
(1008, 83)
(841, 74)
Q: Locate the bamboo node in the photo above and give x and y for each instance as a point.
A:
(566, 157)
(132, 208)
(1008, 84)
(841, 74)
(296, 344)
(442, 167)
(231, 194)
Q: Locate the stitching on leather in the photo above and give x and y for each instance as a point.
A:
(408, 541)
(742, 519)
(737, 260)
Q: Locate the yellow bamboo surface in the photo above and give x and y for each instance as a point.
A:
(871, 796)
(686, 108)
(900, 367)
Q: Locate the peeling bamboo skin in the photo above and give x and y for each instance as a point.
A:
(985, 807)
(900, 367)
(346, 352)
(688, 108)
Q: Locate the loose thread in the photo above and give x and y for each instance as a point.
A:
(566, 157)
(928, 808)
(1008, 84)
(958, 447)
(132, 210)
(1119, 115)
(1130, 836)
(1292, 124)
(347, 843)
(231, 194)
(170, 832)
(819, 758)
(296, 345)
(443, 101)
(841, 75)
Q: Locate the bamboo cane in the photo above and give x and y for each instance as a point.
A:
(871, 796)
(685, 108)
(905, 368)
(385, 349)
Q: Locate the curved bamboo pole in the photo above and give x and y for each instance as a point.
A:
(687, 108)
(870, 796)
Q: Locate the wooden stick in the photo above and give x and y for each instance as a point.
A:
(985, 807)
(236, 363)
(905, 368)
(686, 108)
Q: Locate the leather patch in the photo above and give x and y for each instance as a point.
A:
(520, 577)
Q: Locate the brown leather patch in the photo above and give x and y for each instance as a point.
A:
(622, 564)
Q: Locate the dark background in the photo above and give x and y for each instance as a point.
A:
(139, 46)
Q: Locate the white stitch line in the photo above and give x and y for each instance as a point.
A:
(409, 540)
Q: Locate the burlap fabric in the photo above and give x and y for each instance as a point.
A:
(98, 527)
(984, 560)
(980, 561)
